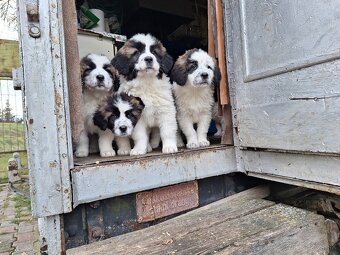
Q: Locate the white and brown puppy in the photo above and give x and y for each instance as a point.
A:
(99, 79)
(143, 65)
(195, 75)
(120, 114)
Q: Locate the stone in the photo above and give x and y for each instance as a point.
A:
(22, 237)
(7, 229)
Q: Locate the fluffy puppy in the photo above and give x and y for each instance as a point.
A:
(99, 79)
(143, 64)
(195, 75)
(120, 114)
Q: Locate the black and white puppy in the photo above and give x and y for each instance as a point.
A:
(143, 64)
(195, 75)
(120, 114)
(99, 79)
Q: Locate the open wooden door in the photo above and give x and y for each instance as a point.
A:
(284, 72)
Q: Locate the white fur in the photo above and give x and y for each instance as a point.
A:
(194, 101)
(92, 96)
(159, 111)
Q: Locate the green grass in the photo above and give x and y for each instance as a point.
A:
(22, 208)
(4, 157)
(12, 136)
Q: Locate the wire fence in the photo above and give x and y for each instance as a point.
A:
(12, 131)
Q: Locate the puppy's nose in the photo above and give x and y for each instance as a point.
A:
(123, 129)
(100, 77)
(148, 60)
(204, 76)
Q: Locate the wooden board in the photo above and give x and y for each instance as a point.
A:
(133, 174)
(286, 95)
(46, 107)
(312, 168)
(229, 226)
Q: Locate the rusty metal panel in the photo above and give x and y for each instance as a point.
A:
(166, 201)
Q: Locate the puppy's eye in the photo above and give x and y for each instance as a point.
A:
(128, 114)
(209, 67)
(193, 63)
(107, 68)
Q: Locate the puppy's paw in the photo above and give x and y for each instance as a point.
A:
(136, 151)
(149, 149)
(192, 145)
(81, 153)
(204, 143)
(169, 149)
(123, 152)
(106, 154)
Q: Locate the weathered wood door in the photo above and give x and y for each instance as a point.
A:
(284, 71)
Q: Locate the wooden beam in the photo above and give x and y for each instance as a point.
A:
(73, 68)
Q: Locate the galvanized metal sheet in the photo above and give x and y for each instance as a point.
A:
(162, 202)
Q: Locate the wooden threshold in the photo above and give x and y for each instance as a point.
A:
(125, 175)
(240, 224)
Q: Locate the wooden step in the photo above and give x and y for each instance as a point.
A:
(230, 226)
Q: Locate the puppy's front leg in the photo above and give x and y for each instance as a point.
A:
(168, 130)
(105, 143)
(124, 146)
(140, 137)
(83, 145)
(187, 127)
(202, 130)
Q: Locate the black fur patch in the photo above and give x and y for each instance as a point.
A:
(217, 75)
(87, 66)
(163, 58)
(125, 64)
(99, 120)
(183, 68)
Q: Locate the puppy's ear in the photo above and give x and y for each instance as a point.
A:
(100, 120)
(137, 103)
(115, 77)
(217, 75)
(121, 63)
(166, 63)
(179, 73)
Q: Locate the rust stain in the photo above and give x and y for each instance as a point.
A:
(166, 201)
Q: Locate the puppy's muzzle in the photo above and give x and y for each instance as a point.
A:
(148, 61)
(204, 76)
(123, 129)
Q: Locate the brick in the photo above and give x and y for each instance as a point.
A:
(7, 229)
(23, 237)
(5, 253)
(23, 246)
(25, 229)
(6, 242)
(24, 253)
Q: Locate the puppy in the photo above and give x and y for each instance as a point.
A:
(143, 65)
(119, 113)
(195, 75)
(99, 79)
